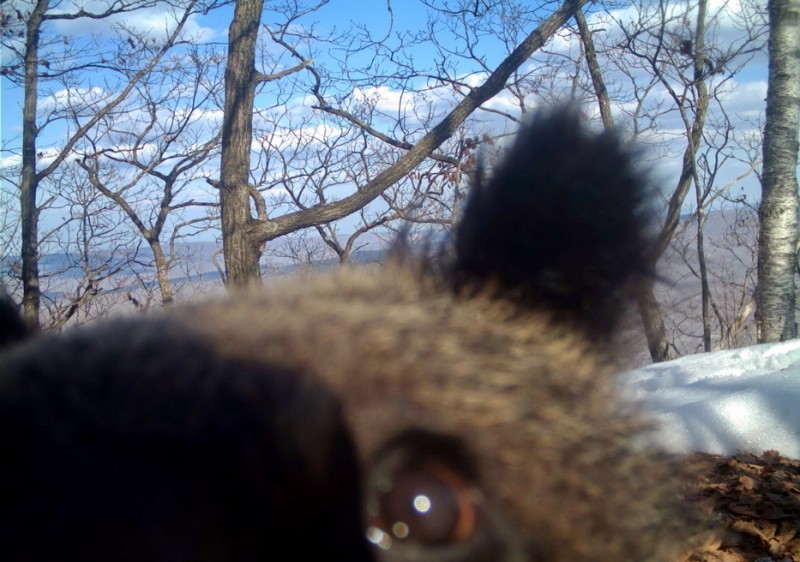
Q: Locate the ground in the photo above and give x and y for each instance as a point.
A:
(754, 502)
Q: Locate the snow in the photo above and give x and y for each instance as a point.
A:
(737, 400)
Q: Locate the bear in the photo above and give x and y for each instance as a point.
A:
(457, 405)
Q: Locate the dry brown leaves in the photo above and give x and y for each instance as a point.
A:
(754, 504)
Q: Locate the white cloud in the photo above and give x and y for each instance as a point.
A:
(45, 156)
(746, 99)
(73, 98)
(505, 102)
(563, 41)
(157, 22)
(281, 138)
(384, 99)
(12, 161)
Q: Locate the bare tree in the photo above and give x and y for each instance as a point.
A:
(145, 157)
(244, 235)
(353, 124)
(734, 304)
(777, 259)
(677, 49)
(88, 256)
(45, 58)
(309, 164)
(241, 251)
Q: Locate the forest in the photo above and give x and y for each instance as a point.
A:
(154, 151)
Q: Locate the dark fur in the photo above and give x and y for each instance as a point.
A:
(12, 327)
(562, 223)
(152, 447)
(244, 429)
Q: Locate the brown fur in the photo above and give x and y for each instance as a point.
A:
(535, 401)
(220, 431)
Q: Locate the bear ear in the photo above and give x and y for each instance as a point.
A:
(12, 326)
(560, 224)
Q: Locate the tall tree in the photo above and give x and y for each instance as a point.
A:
(244, 235)
(46, 56)
(242, 251)
(144, 156)
(687, 69)
(778, 237)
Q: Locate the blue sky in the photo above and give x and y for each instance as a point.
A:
(338, 14)
(744, 96)
(214, 28)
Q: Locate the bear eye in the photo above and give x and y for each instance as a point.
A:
(426, 505)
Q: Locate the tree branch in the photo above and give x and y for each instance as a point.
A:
(262, 231)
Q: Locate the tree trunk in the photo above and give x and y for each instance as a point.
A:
(240, 250)
(695, 139)
(778, 212)
(705, 290)
(243, 235)
(596, 73)
(648, 306)
(30, 177)
(162, 273)
(29, 182)
(653, 321)
(649, 309)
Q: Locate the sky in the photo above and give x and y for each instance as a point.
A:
(744, 95)
(212, 27)
(723, 402)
